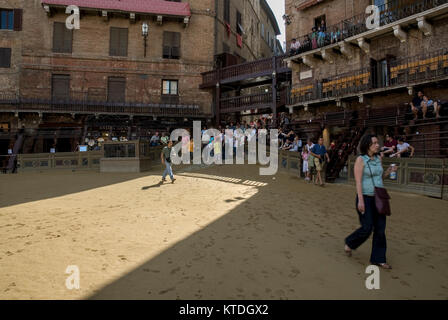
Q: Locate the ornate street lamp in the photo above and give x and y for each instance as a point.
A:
(145, 30)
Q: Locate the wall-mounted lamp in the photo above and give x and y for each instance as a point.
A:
(145, 31)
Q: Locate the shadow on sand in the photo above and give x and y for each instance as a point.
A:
(258, 250)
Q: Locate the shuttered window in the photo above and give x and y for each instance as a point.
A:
(5, 57)
(60, 87)
(62, 38)
(11, 19)
(227, 11)
(116, 89)
(171, 45)
(118, 42)
(18, 13)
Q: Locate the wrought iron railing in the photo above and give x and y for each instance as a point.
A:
(390, 12)
(79, 102)
(410, 70)
(211, 78)
(247, 101)
(252, 101)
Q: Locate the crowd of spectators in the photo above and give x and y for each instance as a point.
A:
(319, 37)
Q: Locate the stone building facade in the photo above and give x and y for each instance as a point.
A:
(105, 76)
(353, 67)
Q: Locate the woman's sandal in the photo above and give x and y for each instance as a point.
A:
(348, 251)
(384, 266)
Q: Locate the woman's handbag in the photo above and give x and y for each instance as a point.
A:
(381, 198)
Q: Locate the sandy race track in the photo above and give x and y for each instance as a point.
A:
(218, 233)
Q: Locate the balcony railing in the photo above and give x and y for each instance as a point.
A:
(407, 71)
(244, 71)
(242, 103)
(251, 101)
(78, 102)
(390, 12)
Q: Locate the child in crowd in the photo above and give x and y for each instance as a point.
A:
(305, 163)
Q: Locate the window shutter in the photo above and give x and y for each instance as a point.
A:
(175, 49)
(116, 89)
(123, 42)
(5, 57)
(68, 36)
(167, 44)
(114, 41)
(18, 13)
(58, 36)
(60, 87)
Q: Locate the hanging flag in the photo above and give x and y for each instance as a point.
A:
(239, 40)
(228, 29)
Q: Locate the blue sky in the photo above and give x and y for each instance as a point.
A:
(278, 7)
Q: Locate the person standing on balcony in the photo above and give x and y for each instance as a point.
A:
(368, 175)
(166, 160)
(319, 152)
(314, 38)
(323, 26)
(320, 37)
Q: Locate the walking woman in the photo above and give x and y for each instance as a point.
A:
(368, 174)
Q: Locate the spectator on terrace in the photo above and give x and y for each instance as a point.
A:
(154, 140)
(296, 145)
(284, 120)
(390, 146)
(332, 145)
(287, 145)
(314, 38)
(295, 47)
(335, 36)
(323, 26)
(430, 104)
(404, 150)
(417, 105)
(306, 43)
(320, 37)
(291, 135)
(164, 139)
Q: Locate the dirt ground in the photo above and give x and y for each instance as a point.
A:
(222, 232)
